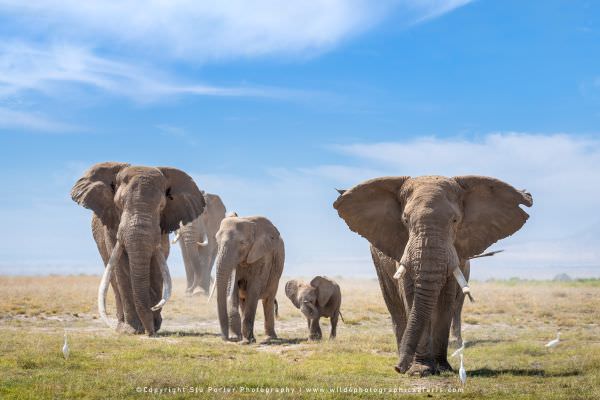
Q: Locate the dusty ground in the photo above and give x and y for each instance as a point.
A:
(505, 329)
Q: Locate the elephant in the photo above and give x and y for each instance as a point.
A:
(199, 245)
(249, 264)
(322, 297)
(134, 210)
(422, 231)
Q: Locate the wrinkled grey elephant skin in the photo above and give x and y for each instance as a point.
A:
(248, 268)
(423, 230)
(134, 209)
(322, 297)
(198, 244)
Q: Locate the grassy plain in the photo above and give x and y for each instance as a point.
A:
(506, 329)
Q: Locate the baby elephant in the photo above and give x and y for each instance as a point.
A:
(321, 298)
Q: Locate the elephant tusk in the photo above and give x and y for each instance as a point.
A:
(212, 290)
(177, 236)
(204, 241)
(462, 282)
(400, 271)
(103, 288)
(167, 283)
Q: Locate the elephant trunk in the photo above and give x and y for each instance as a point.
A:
(225, 267)
(429, 258)
(106, 277)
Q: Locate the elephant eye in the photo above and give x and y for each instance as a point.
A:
(168, 194)
(113, 187)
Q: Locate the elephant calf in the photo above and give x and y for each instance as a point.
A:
(321, 298)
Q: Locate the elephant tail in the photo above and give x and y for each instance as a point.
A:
(341, 316)
(276, 308)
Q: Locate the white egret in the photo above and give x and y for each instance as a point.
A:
(462, 374)
(65, 348)
(553, 343)
(460, 350)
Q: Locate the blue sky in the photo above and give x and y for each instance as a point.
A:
(273, 106)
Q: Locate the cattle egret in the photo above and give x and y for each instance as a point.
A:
(65, 348)
(554, 343)
(462, 374)
(460, 350)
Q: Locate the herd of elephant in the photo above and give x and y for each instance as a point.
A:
(422, 233)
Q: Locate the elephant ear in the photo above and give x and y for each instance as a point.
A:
(491, 211)
(324, 288)
(291, 291)
(261, 246)
(373, 210)
(185, 202)
(95, 190)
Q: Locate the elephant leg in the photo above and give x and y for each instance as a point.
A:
(391, 294)
(441, 325)
(132, 322)
(334, 321)
(249, 313)
(101, 236)
(156, 286)
(456, 327)
(269, 311)
(203, 273)
(190, 273)
(315, 330)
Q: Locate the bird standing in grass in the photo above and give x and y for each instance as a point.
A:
(462, 374)
(65, 348)
(553, 343)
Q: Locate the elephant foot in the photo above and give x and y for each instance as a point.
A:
(316, 338)
(235, 338)
(157, 322)
(123, 327)
(421, 370)
(444, 366)
(248, 341)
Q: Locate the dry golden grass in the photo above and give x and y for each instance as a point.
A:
(505, 328)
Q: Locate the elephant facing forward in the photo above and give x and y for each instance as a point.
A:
(321, 298)
(199, 244)
(134, 209)
(422, 231)
(249, 265)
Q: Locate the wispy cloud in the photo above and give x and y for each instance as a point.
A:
(25, 68)
(18, 120)
(193, 30)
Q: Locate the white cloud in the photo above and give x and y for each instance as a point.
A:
(201, 30)
(24, 68)
(561, 171)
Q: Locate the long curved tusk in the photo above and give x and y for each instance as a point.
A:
(167, 283)
(177, 236)
(103, 288)
(401, 269)
(212, 290)
(462, 282)
(204, 241)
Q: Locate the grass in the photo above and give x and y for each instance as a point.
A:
(505, 330)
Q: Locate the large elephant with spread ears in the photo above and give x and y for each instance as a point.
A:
(422, 232)
(135, 208)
